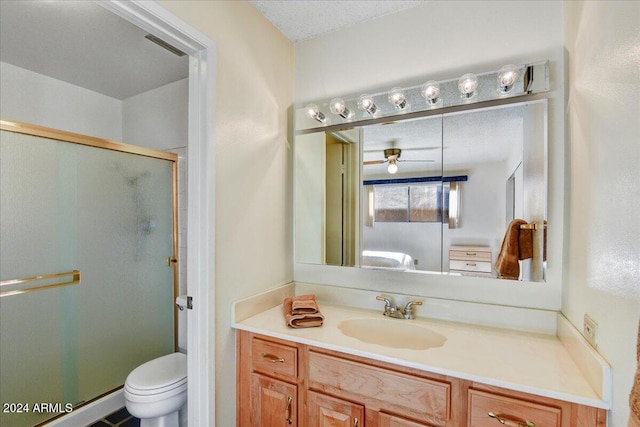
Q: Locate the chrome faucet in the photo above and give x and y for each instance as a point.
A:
(391, 310)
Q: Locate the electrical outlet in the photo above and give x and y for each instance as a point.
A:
(590, 329)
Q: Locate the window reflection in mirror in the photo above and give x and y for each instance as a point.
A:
(435, 194)
(402, 195)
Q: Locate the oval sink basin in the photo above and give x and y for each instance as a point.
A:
(392, 333)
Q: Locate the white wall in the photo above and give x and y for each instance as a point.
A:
(37, 99)
(158, 118)
(602, 231)
(482, 210)
(253, 166)
(439, 40)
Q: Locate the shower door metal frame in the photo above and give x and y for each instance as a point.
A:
(75, 138)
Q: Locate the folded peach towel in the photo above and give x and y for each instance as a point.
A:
(510, 252)
(308, 320)
(634, 397)
(304, 304)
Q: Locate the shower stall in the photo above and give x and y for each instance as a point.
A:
(88, 268)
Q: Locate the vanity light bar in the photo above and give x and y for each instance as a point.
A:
(508, 82)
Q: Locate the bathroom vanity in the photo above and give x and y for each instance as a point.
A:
(436, 181)
(450, 375)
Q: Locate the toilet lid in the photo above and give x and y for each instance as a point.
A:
(161, 373)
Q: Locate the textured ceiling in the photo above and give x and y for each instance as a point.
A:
(304, 19)
(484, 136)
(82, 43)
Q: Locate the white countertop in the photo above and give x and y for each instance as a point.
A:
(527, 362)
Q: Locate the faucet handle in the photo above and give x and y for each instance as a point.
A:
(408, 309)
(389, 309)
(410, 305)
(386, 300)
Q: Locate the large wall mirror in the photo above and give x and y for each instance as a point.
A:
(459, 193)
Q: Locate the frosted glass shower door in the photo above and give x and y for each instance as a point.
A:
(109, 215)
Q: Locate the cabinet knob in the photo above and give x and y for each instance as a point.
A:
(510, 423)
(355, 422)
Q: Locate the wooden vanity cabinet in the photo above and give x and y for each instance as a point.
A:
(282, 383)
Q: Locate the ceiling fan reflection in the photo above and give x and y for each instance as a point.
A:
(392, 156)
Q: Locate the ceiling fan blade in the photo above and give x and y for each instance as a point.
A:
(374, 162)
(417, 161)
(422, 148)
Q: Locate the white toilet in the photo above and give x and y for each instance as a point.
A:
(156, 391)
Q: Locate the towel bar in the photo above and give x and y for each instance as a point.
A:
(75, 279)
(532, 226)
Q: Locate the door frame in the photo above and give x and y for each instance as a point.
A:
(153, 18)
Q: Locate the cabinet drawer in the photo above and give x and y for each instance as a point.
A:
(470, 255)
(398, 391)
(478, 266)
(268, 356)
(512, 412)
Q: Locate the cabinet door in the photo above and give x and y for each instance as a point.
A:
(273, 402)
(387, 420)
(325, 411)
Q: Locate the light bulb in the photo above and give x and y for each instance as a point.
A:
(314, 113)
(365, 102)
(397, 99)
(393, 167)
(337, 106)
(467, 85)
(431, 92)
(507, 78)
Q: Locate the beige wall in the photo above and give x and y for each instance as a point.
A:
(602, 223)
(437, 40)
(253, 174)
